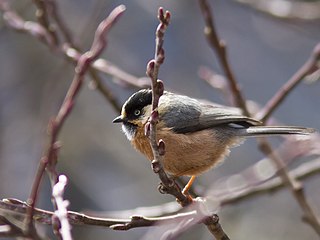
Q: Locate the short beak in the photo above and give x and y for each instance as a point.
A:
(118, 119)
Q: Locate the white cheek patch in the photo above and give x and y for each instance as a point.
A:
(129, 134)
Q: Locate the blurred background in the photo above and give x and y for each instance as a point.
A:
(104, 172)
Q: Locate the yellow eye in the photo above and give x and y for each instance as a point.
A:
(137, 112)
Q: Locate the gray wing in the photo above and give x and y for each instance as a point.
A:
(184, 114)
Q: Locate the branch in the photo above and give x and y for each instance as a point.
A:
(297, 10)
(61, 213)
(70, 50)
(14, 21)
(168, 185)
(17, 207)
(309, 67)
(295, 186)
(235, 195)
(49, 160)
(102, 65)
(43, 19)
(158, 148)
(219, 47)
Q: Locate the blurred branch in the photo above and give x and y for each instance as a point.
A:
(234, 195)
(263, 174)
(14, 21)
(304, 10)
(295, 186)
(9, 229)
(43, 19)
(220, 49)
(260, 178)
(70, 50)
(49, 160)
(104, 66)
(19, 208)
(309, 67)
(216, 81)
(55, 15)
(62, 213)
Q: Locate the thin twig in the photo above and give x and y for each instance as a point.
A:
(310, 66)
(48, 161)
(168, 185)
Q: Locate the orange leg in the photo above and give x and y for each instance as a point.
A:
(188, 185)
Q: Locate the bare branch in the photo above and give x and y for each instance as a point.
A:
(14, 21)
(302, 10)
(61, 213)
(158, 148)
(68, 49)
(45, 217)
(309, 67)
(237, 194)
(49, 160)
(219, 47)
(43, 19)
(295, 186)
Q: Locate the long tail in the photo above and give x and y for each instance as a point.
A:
(275, 130)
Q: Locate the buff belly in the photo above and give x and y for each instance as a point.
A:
(187, 154)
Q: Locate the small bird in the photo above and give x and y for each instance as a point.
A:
(197, 135)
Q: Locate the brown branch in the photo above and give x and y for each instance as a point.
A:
(168, 185)
(219, 47)
(43, 19)
(301, 10)
(158, 148)
(310, 66)
(109, 68)
(215, 227)
(55, 15)
(235, 195)
(17, 207)
(70, 50)
(295, 186)
(14, 21)
(48, 161)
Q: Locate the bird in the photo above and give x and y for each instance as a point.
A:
(197, 135)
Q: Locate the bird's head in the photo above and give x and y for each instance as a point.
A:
(135, 112)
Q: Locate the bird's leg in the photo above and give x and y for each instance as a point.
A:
(188, 185)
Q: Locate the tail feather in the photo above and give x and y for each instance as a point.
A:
(275, 130)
